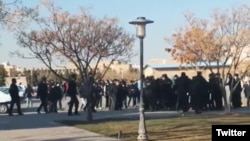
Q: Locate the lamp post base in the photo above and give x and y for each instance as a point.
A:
(142, 131)
(142, 137)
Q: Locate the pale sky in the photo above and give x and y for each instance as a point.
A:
(166, 14)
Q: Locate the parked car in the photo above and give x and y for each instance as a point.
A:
(4, 101)
(6, 90)
(5, 98)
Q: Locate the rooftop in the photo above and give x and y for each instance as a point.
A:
(177, 65)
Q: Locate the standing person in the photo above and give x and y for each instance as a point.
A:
(15, 98)
(72, 92)
(42, 93)
(133, 93)
(55, 92)
(59, 94)
(199, 89)
(182, 88)
(65, 89)
(247, 92)
(113, 88)
(22, 86)
(105, 91)
(83, 96)
(28, 92)
(236, 94)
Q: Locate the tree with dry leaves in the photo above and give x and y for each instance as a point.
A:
(14, 14)
(223, 40)
(80, 39)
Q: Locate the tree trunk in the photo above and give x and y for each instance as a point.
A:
(90, 102)
(89, 112)
(224, 96)
(88, 90)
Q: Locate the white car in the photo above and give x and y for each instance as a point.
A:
(5, 98)
(4, 101)
(6, 90)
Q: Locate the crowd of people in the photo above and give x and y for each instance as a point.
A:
(180, 93)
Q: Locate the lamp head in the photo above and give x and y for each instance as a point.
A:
(140, 23)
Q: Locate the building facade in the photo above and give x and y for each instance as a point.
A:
(172, 68)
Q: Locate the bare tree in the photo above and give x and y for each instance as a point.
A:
(14, 14)
(222, 41)
(80, 39)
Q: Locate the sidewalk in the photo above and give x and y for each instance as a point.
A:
(62, 133)
(34, 127)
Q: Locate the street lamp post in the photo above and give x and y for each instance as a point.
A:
(140, 23)
(31, 78)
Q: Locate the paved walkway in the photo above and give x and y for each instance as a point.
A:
(61, 133)
(34, 127)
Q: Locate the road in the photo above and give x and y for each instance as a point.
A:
(44, 127)
(36, 103)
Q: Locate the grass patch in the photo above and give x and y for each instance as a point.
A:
(190, 128)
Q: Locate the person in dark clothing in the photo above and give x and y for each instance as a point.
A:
(174, 93)
(28, 93)
(182, 89)
(236, 92)
(98, 93)
(124, 93)
(54, 97)
(105, 89)
(60, 95)
(112, 92)
(133, 93)
(149, 95)
(198, 91)
(165, 92)
(72, 92)
(42, 93)
(15, 98)
(217, 93)
(119, 96)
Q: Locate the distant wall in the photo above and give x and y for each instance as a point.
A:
(171, 72)
(21, 79)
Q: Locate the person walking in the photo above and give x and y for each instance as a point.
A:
(247, 92)
(15, 98)
(60, 95)
(28, 93)
(72, 92)
(42, 93)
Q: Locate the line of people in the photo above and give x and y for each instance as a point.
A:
(180, 93)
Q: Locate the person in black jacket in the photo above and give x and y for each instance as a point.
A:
(72, 92)
(133, 93)
(112, 92)
(182, 89)
(42, 93)
(53, 97)
(15, 98)
(199, 91)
